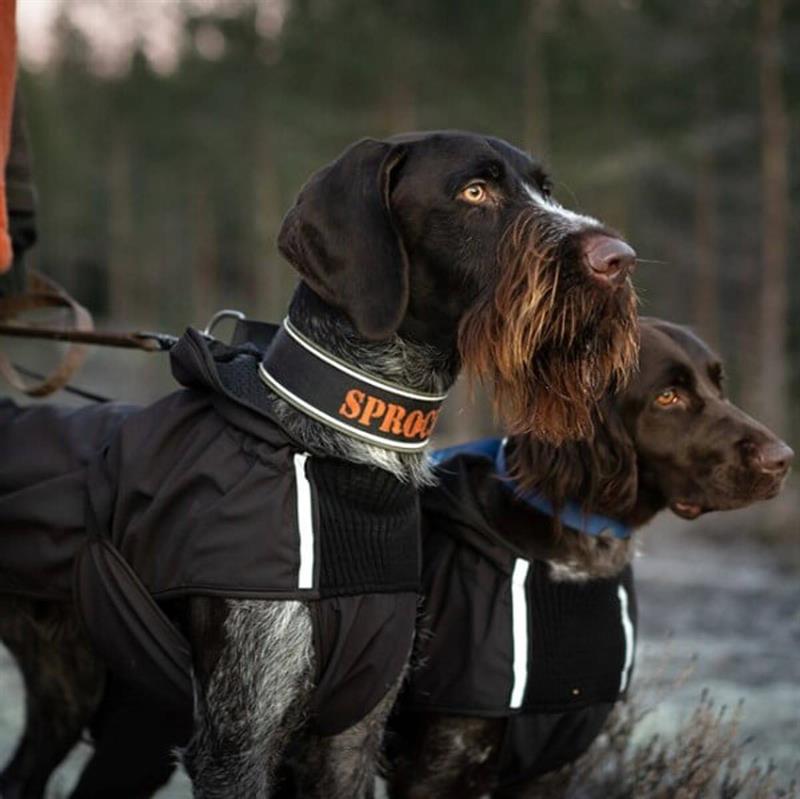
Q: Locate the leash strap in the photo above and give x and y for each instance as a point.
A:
(45, 293)
(341, 396)
(149, 342)
(83, 393)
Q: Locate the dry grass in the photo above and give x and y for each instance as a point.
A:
(706, 759)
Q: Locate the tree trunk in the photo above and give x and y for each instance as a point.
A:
(271, 278)
(399, 109)
(122, 295)
(772, 381)
(205, 277)
(536, 101)
(705, 297)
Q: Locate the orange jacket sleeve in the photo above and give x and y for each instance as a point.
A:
(8, 69)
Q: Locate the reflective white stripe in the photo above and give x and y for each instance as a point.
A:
(519, 631)
(627, 628)
(342, 367)
(305, 522)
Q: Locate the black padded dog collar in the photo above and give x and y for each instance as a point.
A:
(341, 396)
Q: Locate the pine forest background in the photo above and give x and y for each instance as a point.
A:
(163, 174)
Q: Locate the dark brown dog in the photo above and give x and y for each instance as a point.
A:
(417, 255)
(670, 439)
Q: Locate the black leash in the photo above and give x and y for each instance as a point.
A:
(139, 340)
(145, 340)
(44, 293)
(68, 387)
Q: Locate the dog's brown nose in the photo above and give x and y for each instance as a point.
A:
(609, 260)
(775, 457)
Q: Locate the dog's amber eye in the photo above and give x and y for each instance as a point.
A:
(475, 193)
(667, 397)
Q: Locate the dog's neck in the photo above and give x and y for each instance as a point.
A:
(572, 555)
(416, 366)
(613, 485)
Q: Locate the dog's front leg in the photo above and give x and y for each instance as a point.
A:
(253, 679)
(63, 685)
(449, 757)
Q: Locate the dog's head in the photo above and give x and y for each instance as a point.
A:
(697, 451)
(671, 438)
(453, 239)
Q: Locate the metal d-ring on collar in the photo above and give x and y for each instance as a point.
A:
(219, 316)
(342, 396)
(571, 514)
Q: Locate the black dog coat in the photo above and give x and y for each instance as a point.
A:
(203, 493)
(501, 638)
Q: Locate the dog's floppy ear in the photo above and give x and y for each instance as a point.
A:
(341, 238)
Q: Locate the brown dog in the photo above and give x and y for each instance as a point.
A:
(529, 611)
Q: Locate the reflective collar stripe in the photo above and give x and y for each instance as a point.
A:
(519, 632)
(305, 522)
(325, 418)
(353, 372)
(627, 628)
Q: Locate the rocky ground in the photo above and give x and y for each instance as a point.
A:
(706, 590)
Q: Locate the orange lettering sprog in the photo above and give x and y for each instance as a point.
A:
(395, 419)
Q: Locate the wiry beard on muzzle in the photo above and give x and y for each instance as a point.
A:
(550, 344)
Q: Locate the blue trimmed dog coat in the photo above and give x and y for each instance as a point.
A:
(500, 638)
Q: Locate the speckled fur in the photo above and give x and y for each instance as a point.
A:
(590, 558)
(418, 366)
(251, 700)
